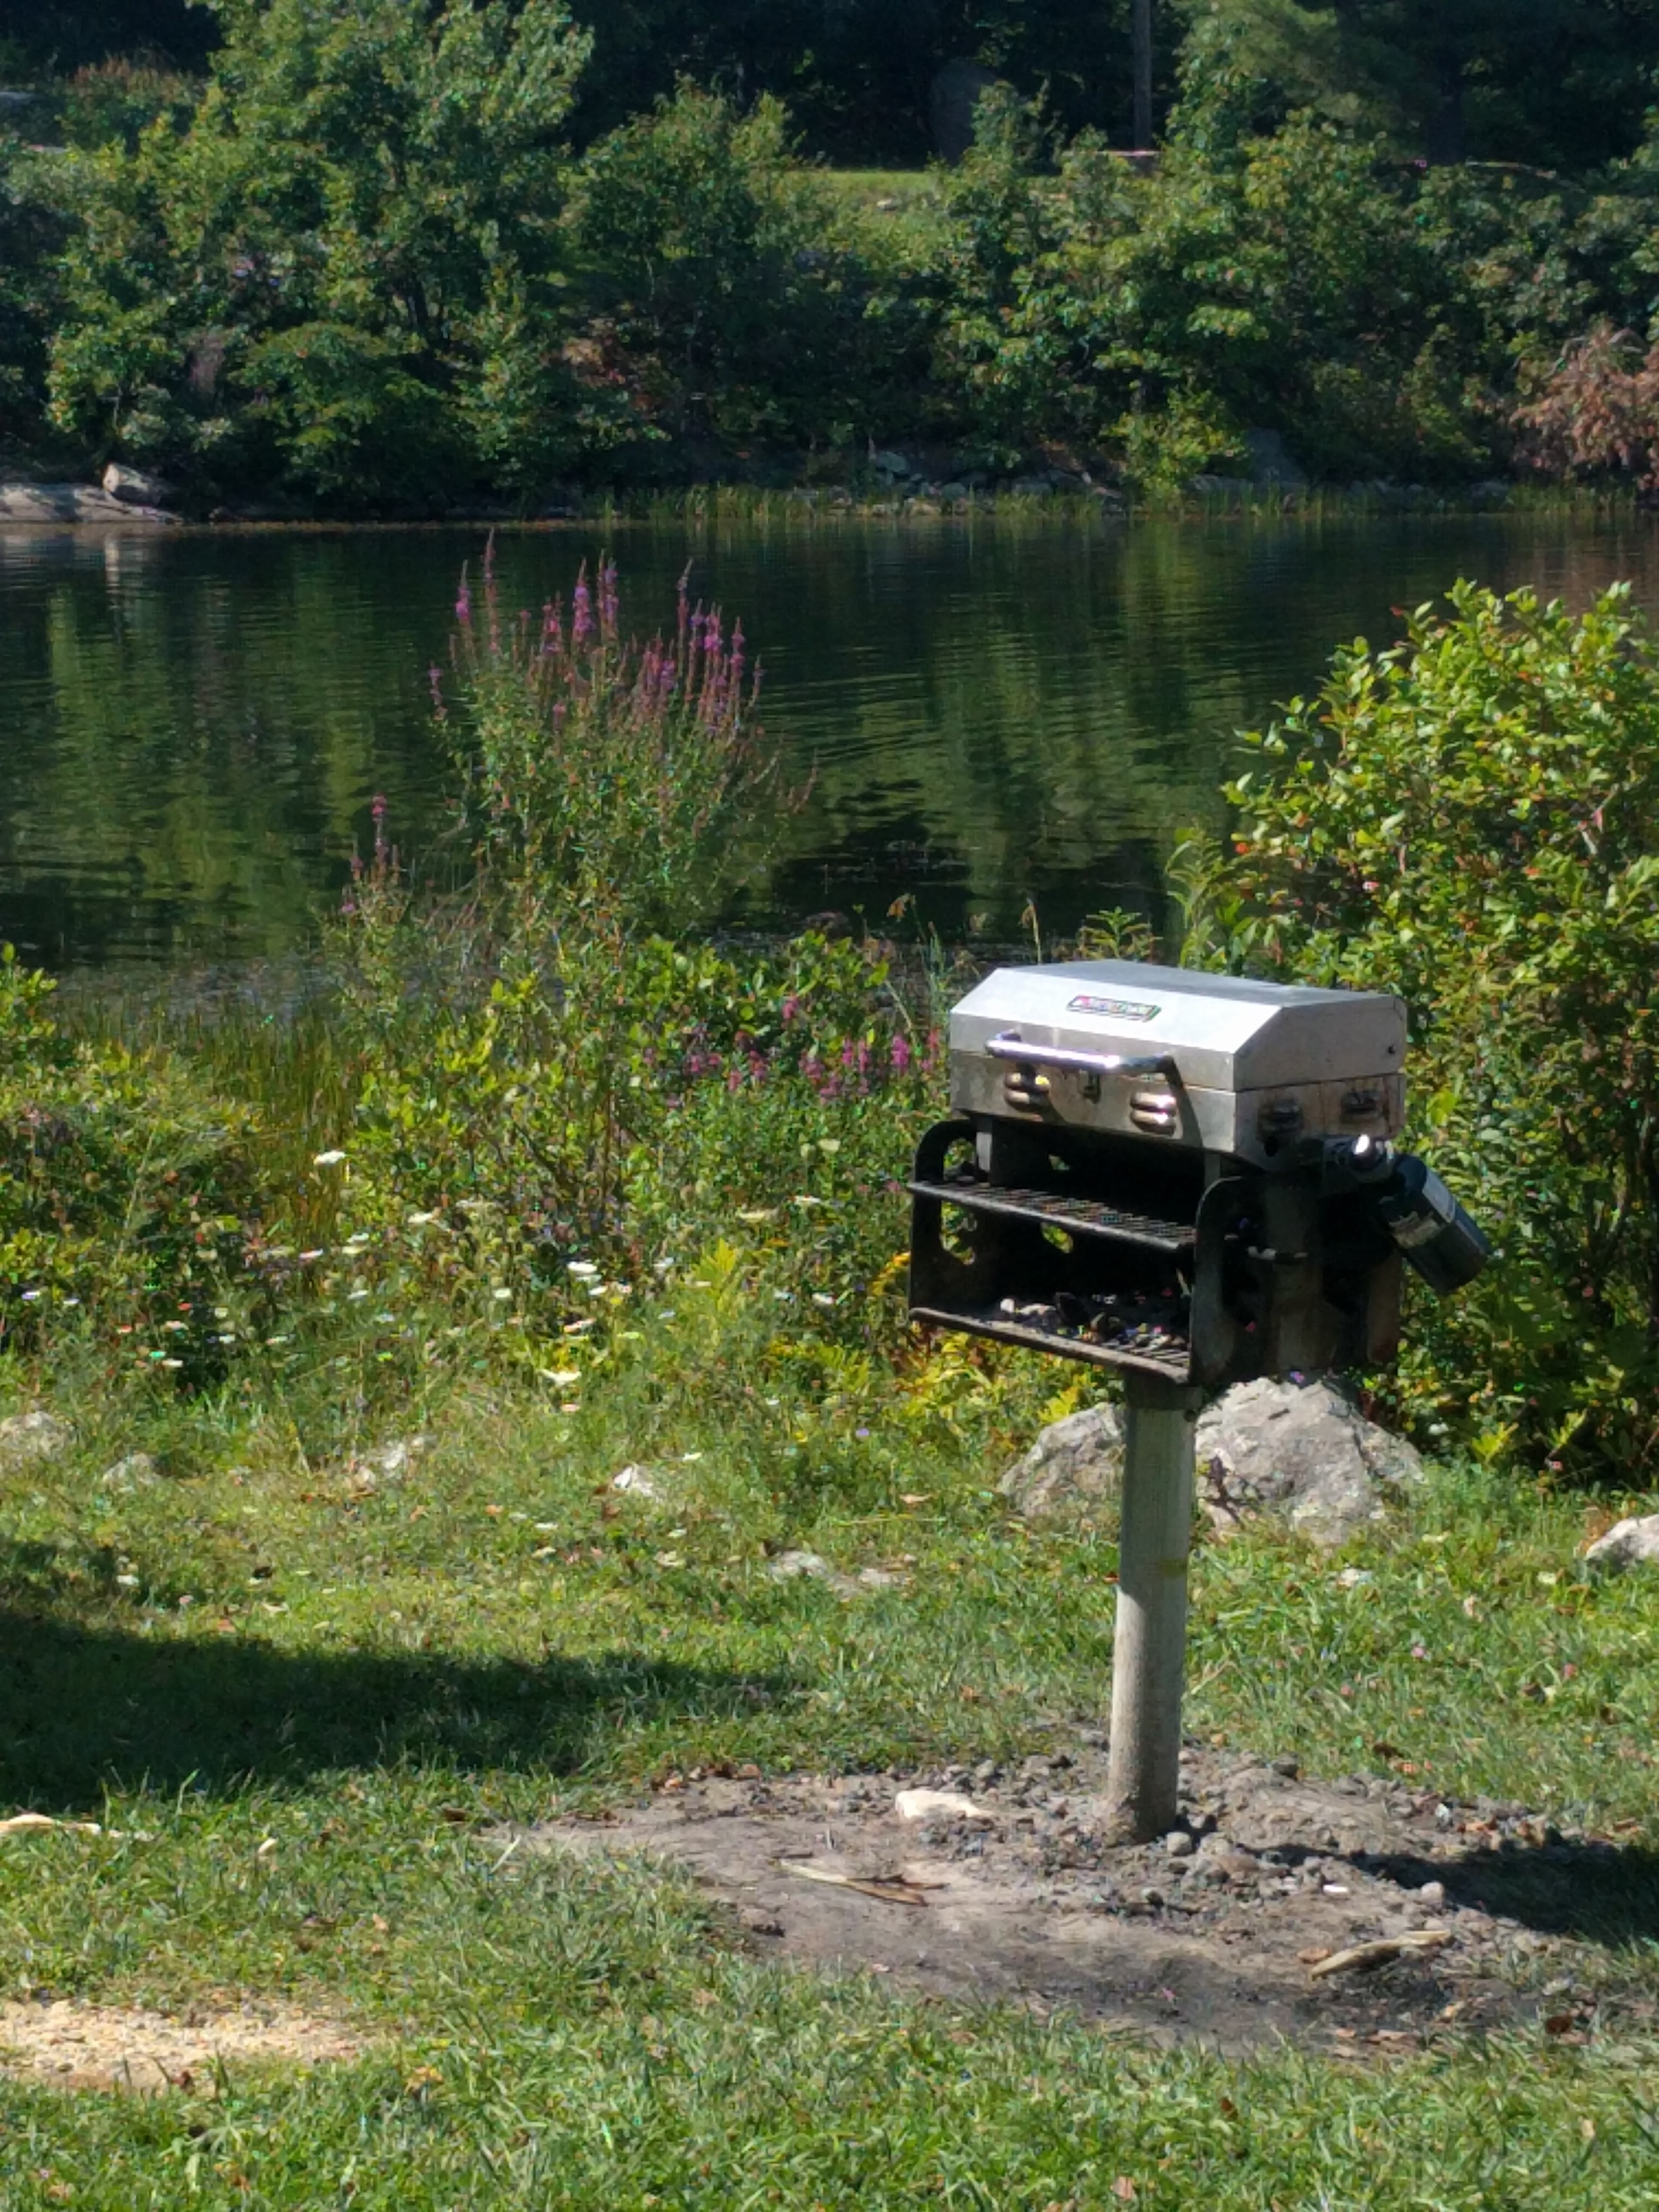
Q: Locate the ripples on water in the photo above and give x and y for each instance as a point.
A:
(193, 726)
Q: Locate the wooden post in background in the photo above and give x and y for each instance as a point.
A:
(1142, 34)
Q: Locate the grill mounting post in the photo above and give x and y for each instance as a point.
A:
(1150, 1643)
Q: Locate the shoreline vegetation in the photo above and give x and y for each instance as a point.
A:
(372, 267)
(25, 500)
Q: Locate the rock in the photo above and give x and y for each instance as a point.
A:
(1433, 1893)
(1300, 1452)
(391, 1459)
(951, 100)
(137, 1471)
(27, 1438)
(880, 1578)
(71, 502)
(811, 1566)
(937, 1804)
(1271, 465)
(1627, 1544)
(136, 487)
(638, 1481)
(1075, 1465)
(1178, 1844)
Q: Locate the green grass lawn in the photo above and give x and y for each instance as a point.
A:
(306, 1701)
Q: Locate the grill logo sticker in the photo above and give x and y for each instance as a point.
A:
(1126, 1010)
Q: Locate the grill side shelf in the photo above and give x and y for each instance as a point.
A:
(1084, 1217)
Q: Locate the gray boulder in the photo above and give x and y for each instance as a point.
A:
(1301, 1453)
(72, 502)
(27, 1439)
(1297, 1453)
(137, 1471)
(135, 487)
(1075, 1466)
(1628, 1544)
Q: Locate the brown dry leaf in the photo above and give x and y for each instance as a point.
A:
(1312, 1957)
(1561, 2023)
(1124, 2189)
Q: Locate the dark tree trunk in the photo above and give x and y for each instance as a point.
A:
(1444, 141)
(1142, 28)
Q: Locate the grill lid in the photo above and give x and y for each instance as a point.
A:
(1217, 1032)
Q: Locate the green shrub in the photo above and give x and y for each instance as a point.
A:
(319, 274)
(128, 1190)
(726, 291)
(1472, 819)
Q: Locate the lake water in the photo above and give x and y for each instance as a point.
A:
(193, 724)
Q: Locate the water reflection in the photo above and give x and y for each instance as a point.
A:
(193, 726)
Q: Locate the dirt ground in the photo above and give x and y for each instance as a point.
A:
(1217, 1938)
(66, 2045)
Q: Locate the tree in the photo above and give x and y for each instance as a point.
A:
(327, 271)
(1549, 83)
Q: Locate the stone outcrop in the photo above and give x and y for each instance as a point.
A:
(1296, 1453)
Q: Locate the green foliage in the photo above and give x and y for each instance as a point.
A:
(126, 1187)
(1468, 819)
(723, 287)
(1449, 78)
(313, 278)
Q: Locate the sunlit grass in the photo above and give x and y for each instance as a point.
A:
(306, 1692)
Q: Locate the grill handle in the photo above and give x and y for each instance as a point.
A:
(1009, 1045)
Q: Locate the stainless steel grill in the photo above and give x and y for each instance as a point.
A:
(1191, 1178)
(1143, 1171)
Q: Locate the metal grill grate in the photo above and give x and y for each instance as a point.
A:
(1172, 1360)
(1088, 1217)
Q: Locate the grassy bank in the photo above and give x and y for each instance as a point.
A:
(306, 1693)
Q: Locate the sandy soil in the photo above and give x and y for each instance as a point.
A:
(68, 2045)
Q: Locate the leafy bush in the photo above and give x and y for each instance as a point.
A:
(1472, 819)
(1596, 412)
(317, 277)
(128, 1190)
(724, 289)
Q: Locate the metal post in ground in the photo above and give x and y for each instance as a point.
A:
(1149, 1651)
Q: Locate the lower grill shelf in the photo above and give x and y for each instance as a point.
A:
(1172, 1359)
(1084, 1217)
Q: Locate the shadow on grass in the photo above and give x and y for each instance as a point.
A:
(87, 1706)
(1603, 1891)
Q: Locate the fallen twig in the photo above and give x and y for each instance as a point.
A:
(893, 1892)
(1359, 1956)
(28, 1824)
